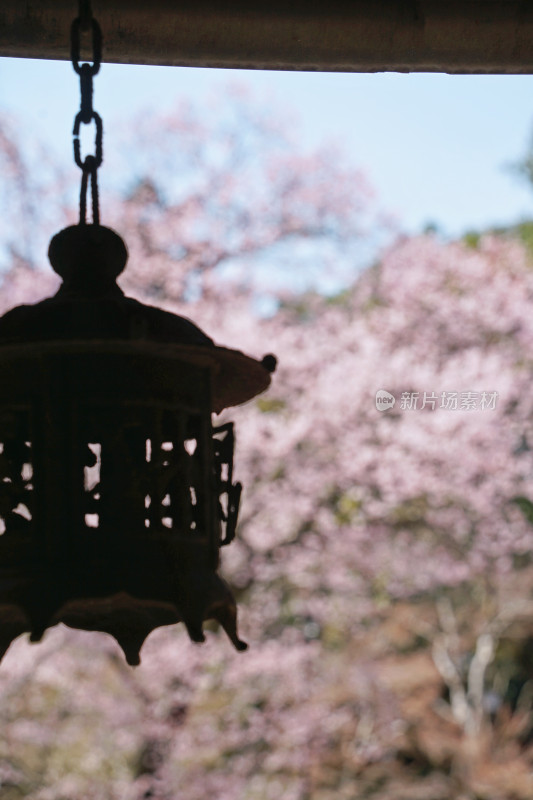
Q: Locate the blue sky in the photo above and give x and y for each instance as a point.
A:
(435, 147)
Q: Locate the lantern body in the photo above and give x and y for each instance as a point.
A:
(116, 492)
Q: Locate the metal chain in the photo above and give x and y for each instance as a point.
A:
(89, 165)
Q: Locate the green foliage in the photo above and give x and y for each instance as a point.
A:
(270, 405)
(410, 512)
(471, 239)
(526, 507)
(525, 233)
(521, 231)
(347, 508)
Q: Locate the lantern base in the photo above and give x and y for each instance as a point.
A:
(128, 619)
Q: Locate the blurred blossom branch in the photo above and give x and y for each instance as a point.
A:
(351, 515)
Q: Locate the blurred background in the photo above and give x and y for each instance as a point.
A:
(376, 233)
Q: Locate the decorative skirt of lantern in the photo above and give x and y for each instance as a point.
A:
(116, 491)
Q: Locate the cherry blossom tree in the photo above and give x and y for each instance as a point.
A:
(350, 513)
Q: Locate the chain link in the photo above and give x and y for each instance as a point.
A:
(85, 14)
(75, 45)
(88, 165)
(98, 156)
(89, 171)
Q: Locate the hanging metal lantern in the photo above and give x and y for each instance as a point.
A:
(116, 491)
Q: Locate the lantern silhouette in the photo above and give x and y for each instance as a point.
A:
(116, 491)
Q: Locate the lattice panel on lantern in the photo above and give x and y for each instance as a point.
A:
(174, 497)
(16, 473)
(144, 470)
(229, 494)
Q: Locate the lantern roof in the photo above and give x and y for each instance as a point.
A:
(90, 307)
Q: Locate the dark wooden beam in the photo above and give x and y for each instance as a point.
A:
(468, 36)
